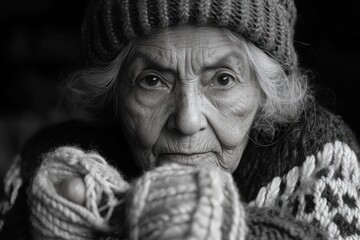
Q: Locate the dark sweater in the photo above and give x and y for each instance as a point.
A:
(261, 163)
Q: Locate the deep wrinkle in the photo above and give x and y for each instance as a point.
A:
(189, 112)
(146, 60)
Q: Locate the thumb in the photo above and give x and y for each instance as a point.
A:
(73, 189)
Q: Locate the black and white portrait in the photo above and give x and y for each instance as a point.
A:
(179, 119)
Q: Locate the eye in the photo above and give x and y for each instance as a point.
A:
(223, 80)
(152, 81)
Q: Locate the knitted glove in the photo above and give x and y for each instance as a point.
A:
(170, 202)
(179, 202)
(194, 202)
(55, 217)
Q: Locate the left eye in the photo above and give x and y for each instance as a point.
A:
(223, 80)
(151, 81)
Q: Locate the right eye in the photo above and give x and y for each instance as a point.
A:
(152, 81)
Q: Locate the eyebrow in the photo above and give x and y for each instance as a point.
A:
(223, 61)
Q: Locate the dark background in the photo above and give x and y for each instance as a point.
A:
(40, 43)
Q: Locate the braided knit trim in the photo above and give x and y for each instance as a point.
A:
(324, 191)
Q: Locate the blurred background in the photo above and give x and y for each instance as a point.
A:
(40, 44)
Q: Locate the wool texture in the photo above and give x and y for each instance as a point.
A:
(55, 217)
(169, 202)
(179, 202)
(304, 186)
(324, 191)
(12, 184)
(111, 24)
(262, 160)
(266, 223)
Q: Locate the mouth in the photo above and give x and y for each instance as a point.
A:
(188, 159)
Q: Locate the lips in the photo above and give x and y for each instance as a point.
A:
(189, 159)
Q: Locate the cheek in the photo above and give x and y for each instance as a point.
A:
(142, 120)
(235, 114)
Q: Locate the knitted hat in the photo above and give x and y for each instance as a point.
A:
(110, 24)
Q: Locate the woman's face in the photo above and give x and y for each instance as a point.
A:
(187, 96)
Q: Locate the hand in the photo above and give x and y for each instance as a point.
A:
(73, 195)
(73, 189)
(182, 202)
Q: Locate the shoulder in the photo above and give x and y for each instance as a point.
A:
(322, 126)
(308, 136)
(323, 189)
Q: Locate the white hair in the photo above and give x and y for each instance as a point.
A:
(91, 91)
(283, 96)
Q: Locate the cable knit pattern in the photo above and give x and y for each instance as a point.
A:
(111, 24)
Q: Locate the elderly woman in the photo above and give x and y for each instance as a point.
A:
(206, 98)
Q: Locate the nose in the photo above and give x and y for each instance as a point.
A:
(187, 118)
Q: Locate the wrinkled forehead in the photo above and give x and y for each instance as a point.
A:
(205, 45)
(187, 37)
